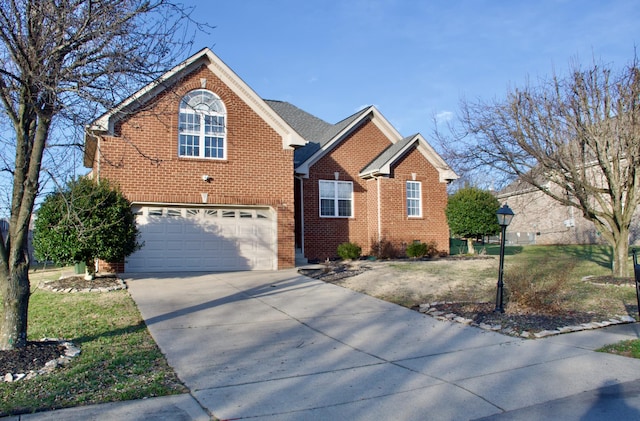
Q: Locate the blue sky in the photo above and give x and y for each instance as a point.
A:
(412, 59)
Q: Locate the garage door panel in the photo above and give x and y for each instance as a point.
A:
(205, 239)
(174, 245)
(212, 245)
(174, 228)
(193, 244)
(195, 229)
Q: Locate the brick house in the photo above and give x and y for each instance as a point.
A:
(541, 220)
(221, 179)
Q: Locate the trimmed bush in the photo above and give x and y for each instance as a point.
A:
(349, 251)
(416, 250)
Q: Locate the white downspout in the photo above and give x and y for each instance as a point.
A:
(301, 214)
(379, 212)
(98, 157)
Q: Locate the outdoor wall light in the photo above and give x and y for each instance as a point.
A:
(505, 215)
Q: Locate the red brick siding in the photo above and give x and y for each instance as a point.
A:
(323, 235)
(143, 160)
(397, 227)
(110, 267)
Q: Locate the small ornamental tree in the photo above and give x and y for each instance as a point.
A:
(471, 213)
(85, 221)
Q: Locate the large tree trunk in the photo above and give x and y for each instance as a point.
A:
(470, 248)
(621, 255)
(31, 134)
(15, 293)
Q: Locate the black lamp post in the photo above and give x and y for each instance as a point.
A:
(505, 215)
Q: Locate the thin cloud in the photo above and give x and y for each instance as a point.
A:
(443, 116)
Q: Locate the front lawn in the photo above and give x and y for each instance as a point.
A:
(119, 359)
(546, 287)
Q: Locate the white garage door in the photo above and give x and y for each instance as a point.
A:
(204, 239)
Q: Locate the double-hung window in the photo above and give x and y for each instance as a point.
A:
(336, 198)
(202, 126)
(414, 199)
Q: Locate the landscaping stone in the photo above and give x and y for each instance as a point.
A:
(70, 351)
(431, 310)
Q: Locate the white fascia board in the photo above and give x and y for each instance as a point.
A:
(376, 117)
(445, 173)
(106, 122)
(385, 127)
(290, 139)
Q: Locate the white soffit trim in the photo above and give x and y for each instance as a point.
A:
(290, 138)
(444, 170)
(386, 168)
(385, 127)
(376, 117)
(106, 122)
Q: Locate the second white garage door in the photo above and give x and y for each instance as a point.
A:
(204, 239)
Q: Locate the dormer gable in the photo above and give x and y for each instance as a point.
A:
(106, 123)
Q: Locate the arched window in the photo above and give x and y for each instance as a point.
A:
(202, 129)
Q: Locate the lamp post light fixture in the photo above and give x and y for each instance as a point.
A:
(505, 215)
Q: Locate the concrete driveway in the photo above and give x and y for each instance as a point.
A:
(280, 346)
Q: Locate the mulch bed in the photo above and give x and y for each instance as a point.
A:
(79, 283)
(37, 353)
(32, 357)
(519, 322)
(484, 313)
(334, 272)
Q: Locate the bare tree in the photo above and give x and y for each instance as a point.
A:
(575, 138)
(62, 64)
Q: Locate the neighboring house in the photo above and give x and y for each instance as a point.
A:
(223, 180)
(4, 232)
(539, 219)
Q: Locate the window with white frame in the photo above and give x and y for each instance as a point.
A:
(336, 198)
(414, 199)
(202, 126)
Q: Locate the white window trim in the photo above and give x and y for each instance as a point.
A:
(201, 134)
(418, 199)
(335, 184)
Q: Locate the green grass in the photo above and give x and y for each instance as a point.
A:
(626, 348)
(591, 259)
(119, 359)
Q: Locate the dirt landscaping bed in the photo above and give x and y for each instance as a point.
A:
(463, 290)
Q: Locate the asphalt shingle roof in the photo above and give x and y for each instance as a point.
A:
(313, 129)
(387, 155)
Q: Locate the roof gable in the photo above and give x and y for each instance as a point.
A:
(324, 136)
(106, 122)
(382, 164)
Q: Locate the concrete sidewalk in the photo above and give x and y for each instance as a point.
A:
(280, 346)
